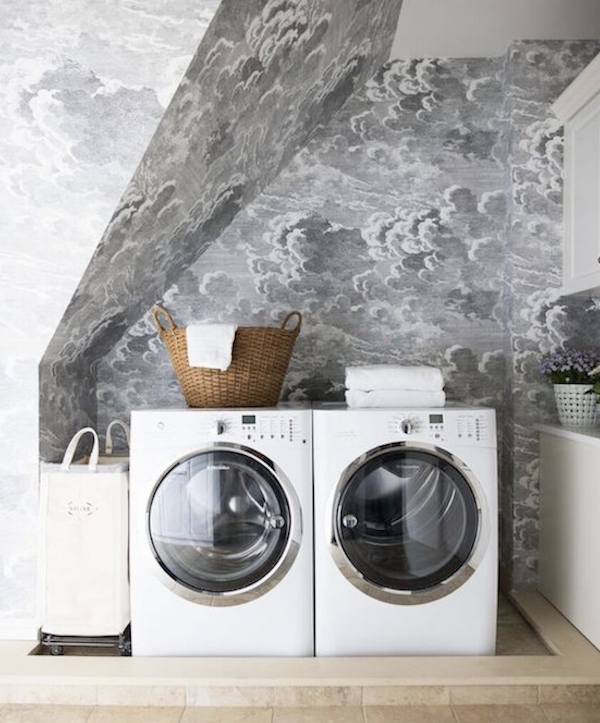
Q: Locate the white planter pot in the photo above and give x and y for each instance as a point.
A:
(575, 407)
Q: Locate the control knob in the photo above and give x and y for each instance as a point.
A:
(408, 426)
(220, 427)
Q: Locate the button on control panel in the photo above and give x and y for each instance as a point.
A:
(436, 427)
(472, 427)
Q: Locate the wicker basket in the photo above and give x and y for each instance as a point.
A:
(260, 358)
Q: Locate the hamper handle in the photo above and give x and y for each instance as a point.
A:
(159, 311)
(298, 315)
(72, 447)
(108, 449)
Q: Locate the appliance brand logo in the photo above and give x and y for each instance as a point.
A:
(80, 508)
(218, 467)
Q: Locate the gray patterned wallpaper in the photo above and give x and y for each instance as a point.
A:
(385, 204)
(538, 318)
(82, 92)
(421, 225)
(267, 73)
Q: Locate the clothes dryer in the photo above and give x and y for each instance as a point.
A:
(405, 531)
(221, 556)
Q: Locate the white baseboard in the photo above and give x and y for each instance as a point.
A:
(19, 629)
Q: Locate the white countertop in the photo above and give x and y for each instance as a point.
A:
(587, 435)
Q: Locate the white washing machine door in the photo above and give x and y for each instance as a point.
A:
(409, 523)
(224, 525)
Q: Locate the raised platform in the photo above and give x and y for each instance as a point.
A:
(573, 668)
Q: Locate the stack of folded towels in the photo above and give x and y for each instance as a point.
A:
(390, 385)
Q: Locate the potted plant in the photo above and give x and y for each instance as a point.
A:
(574, 374)
(595, 377)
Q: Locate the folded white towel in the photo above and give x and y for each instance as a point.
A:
(394, 398)
(210, 345)
(393, 376)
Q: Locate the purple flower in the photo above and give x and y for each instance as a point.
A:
(570, 366)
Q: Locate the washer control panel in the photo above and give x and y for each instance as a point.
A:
(244, 426)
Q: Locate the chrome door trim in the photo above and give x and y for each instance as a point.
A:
(409, 597)
(275, 575)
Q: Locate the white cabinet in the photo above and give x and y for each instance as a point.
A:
(569, 567)
(579, 108)
(582, 200)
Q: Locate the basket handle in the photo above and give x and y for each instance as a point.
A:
(72, 447)
(296, 314)
(159, 311)
(108, 448)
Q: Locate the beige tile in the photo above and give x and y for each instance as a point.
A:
(50, 694)
(142, 695)
(499, 714)
(496, 694)
(569, 693)
(130, 714)
(406, 695)
(317, 696)
(327, 714)
(43, 713)
(409, 714)
(230, 695)
(227, 715)
(572, 713)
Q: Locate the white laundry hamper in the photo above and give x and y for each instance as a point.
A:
(84, 577)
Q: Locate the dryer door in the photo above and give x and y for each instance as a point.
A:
(224, 526)
(409, 523)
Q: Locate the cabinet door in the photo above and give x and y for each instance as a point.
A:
(570, 530)
(582, 200)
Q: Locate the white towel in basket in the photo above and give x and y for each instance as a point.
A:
(210, 345)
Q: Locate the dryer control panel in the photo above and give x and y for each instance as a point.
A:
(452, 425)
(471, 427)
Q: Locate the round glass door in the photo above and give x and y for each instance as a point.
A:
(223, 525)
(406, 523)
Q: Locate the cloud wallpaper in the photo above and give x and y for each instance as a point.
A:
(266, 75)
(422, 225)
(411, 210)
(82, 92)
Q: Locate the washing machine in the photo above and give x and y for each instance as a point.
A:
(221, 555)
(406, 538)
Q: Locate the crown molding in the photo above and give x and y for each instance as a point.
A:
(585, 86)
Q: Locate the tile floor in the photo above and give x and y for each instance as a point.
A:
(509, 713)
